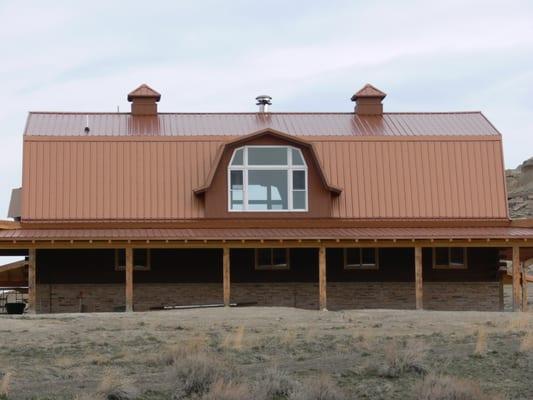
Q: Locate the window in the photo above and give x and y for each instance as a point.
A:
(272, 259)
(267, 178)
(141, 260)
(360, 258)
(449, 258)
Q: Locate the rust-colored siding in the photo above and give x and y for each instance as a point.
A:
(153, 179)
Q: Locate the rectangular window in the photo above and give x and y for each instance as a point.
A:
(141, 260)
(299, 192)
(267, 190)
(271, 259)
(361, 258)
(449, 258)
(236, 190)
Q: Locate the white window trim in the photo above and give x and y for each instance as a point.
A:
(450, 265)
(360, 266)
(279, 267)
(289, 168)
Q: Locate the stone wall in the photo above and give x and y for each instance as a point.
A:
(341, 295)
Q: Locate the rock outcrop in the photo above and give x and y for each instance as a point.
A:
(520, 190)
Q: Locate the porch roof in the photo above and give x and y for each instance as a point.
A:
(361, 233)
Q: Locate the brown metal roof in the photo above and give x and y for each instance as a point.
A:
(269, 233)
(237, 124)
(146, 179)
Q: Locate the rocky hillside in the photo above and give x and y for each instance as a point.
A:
(520, 190)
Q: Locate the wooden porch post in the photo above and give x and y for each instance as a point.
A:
(517, 288)
(226, 277)
(322, 283)
(32, 281)
(419, 290)
(129, 279)
(524, 288)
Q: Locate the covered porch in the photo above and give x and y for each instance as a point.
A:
(205, 270)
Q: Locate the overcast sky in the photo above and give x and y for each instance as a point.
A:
(308, 55)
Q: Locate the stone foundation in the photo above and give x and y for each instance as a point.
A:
(57, 298)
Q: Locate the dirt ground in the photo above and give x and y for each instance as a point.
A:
(371, 354)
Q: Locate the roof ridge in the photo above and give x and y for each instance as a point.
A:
(254, 112)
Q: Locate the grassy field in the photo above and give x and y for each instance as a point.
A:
(268, 353)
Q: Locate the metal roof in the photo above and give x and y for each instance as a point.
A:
(269, 233)
(236, 124)
(70, 179)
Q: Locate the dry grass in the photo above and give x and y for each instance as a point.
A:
(222, 390)
(321, 388)
(234, 340)
(275, 384)
(114, 386)
(402, 358)
(481, 343)
(439, 387)
(526, 344)
(5, 381)
(518, 322)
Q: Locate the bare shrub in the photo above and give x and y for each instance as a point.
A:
(222, 390)
(320, 388)
(114, 386)
(274, 384)
(5, 381)
(481, 343)
(439, 387)
(400, 359)
(194, 374)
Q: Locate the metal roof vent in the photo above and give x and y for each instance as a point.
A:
(263, 102)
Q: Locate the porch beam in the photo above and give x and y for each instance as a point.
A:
(322, 283)
(129, 279)
(419, 290)
(226, 277)
(32, 281)
(517, 287)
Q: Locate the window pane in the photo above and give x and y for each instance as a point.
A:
(236, 199)
(353, 256)
(264, 257)
(267, 156)
(298, 180)
(298, 199)
(297, 157)
(441, 256)
(236, 180)
(238, 158)
(457, 256)
(279, 257)
(368, 256)
(267, 190)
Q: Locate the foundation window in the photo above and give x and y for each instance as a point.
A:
(141, 260)
(449, 258)
(361, 258)
(271, 259)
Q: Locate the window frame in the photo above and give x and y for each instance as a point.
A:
(450, 265)
(360, 266)
(272, 267)
(122, 268)
(289, 167)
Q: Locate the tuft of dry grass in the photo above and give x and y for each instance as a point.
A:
(114, 386)
(321, 388)
(481, 343)
(194, 374)
(440, 387)
(223, 390)
(275, 384)
(234, 340)
(5, 381)
(526, 344)
(518, 323)
(400, 359)
(64, 362)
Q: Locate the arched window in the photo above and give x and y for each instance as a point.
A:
(267, 178)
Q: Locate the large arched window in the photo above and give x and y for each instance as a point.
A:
(267, 178)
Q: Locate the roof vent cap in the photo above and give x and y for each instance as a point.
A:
(144, 100)
(263, 102)
(368, 100)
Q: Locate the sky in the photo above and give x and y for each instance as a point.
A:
(308, 55)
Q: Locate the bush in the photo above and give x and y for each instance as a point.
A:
(439, 387)
(321, 388)
(274, 384)
(115, 387)
(402, 359)
(223, 390)
(194, 374)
